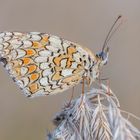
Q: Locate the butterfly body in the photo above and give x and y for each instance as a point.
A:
(43, 64)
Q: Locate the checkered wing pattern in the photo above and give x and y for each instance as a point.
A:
(41, 64)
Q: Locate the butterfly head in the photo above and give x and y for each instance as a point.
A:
(103, 56)
(100, 60)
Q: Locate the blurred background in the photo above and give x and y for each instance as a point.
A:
(87, 23)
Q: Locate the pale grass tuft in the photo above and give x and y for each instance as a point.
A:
(94, 116)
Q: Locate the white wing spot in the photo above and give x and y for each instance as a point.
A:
(35, 38)
(40, 59)
(1, 40)
(52, 48)
(63, 63)
(45, 53)
(44, 66)
(38, 93)
(74, 65)
(24, 70)
(6, 38)
(34, 33)
(8, 34)
(20, 53)
(1, 47)
(27, 44)
(2, 34)
(55, 41)
(18, 34)
(43, 81)
(23, 82)
(66, 72)
(47, 72)
(15, 43)
(26, 81)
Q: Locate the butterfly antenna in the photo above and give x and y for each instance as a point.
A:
(111, 32)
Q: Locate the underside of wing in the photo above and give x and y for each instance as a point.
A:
(39, 63)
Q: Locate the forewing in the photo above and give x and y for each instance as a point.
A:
(39, 63)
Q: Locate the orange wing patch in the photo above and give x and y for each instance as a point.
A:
(34, 77)
(56, 76)
(33, 87)
(32, 68)
(18, 71)
(71, 50)
(44, 40)
(57, 60)
(30, 52)
(42, 43)
(26, 60)
(69, 62)
(37, 44)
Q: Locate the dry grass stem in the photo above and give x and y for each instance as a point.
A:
(98, 117)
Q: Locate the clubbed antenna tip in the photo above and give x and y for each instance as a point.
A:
(119, 16)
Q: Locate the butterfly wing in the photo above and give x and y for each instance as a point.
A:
(39, 63)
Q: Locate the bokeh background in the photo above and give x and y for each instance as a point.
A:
(85, 22)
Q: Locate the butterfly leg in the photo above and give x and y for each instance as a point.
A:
(72, 94)
(83, 85)
(88, 83)
(94, 99)
(108, 85)
(69, 103)
(83, 90)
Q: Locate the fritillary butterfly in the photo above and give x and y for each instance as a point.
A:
(43, 64)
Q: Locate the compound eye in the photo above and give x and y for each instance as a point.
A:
(101, 55)
(104, 56)
(98, 55)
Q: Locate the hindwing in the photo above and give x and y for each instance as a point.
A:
(41, 64)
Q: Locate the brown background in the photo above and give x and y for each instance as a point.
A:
(82, 21)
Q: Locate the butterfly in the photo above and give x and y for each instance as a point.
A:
(43, 64)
